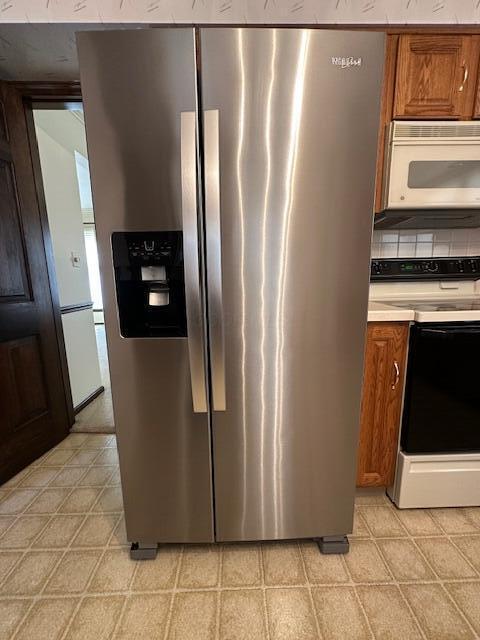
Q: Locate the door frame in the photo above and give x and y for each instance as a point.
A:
(54, 92)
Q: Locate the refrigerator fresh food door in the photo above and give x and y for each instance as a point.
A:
(140, 100)
(290, 137)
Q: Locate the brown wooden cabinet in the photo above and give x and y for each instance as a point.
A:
(436, 76)
(381, 402)
(476, 112)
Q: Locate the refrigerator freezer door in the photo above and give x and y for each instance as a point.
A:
(298, 114)
(135, 85)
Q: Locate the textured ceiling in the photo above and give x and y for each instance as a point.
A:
(243, 11)
(41, 51)
(37, 37)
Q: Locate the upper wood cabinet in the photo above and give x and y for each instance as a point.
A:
(384, 373)
(436, 76)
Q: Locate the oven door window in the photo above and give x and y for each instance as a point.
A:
(442, 397)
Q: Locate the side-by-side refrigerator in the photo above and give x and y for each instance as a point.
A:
(233, 176)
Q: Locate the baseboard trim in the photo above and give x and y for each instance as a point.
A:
(80, 306)
(88, 399)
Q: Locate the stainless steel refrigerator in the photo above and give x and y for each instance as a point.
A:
(233, 177)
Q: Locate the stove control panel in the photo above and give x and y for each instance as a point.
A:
(425, 269)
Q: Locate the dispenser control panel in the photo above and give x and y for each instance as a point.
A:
(150, 283)
(149, 250)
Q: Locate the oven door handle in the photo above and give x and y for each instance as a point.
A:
(436, 332)
(452, 331)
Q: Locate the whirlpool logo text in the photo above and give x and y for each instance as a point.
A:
(346, 62)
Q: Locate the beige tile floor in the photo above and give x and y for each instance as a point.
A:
(65, 570)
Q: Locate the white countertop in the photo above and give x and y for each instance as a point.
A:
(382, 312)
(383, 296)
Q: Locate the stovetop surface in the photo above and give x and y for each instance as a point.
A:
(436, 305)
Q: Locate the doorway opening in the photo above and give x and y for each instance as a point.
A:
(60, 134)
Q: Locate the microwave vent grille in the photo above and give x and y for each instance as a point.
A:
(466, 130)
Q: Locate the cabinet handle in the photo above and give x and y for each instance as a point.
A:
(397, 374)
(465, 77)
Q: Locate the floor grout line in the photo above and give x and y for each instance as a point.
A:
(174, 591)
(397, 583)
(266, 618)
(367, 619)
(127, 593)
(412, 613)
(279, 587)
(310, 595)
(219, 583)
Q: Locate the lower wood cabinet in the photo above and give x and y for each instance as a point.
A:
(476, 113)
(381, 402)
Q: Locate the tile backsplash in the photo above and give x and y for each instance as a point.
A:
(425, 243)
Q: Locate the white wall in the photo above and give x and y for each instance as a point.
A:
(82, 358)
(64, 217)
(59, 133)
(245, 11)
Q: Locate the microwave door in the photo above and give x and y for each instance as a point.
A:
(434, 175)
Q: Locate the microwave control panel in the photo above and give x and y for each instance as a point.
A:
(425, 269)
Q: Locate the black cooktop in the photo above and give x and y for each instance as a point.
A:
(425, 269)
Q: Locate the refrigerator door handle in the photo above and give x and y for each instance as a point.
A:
(214, 257)
(191, 262)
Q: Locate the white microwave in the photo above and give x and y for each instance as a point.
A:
(432, 165)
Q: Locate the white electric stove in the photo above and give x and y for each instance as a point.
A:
(438, 462)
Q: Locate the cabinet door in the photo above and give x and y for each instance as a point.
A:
(476, 113)
(436, 76)
(381, 402)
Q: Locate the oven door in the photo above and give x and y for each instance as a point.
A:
(442, 396)
(433, 174)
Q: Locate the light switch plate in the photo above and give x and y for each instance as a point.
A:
(75, 259)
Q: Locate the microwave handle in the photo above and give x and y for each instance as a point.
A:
(465, 76)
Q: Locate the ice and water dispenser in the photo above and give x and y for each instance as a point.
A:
(149, 280)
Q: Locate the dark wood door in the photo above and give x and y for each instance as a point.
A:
(436, 76)
(381, 402)
(33, 401)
